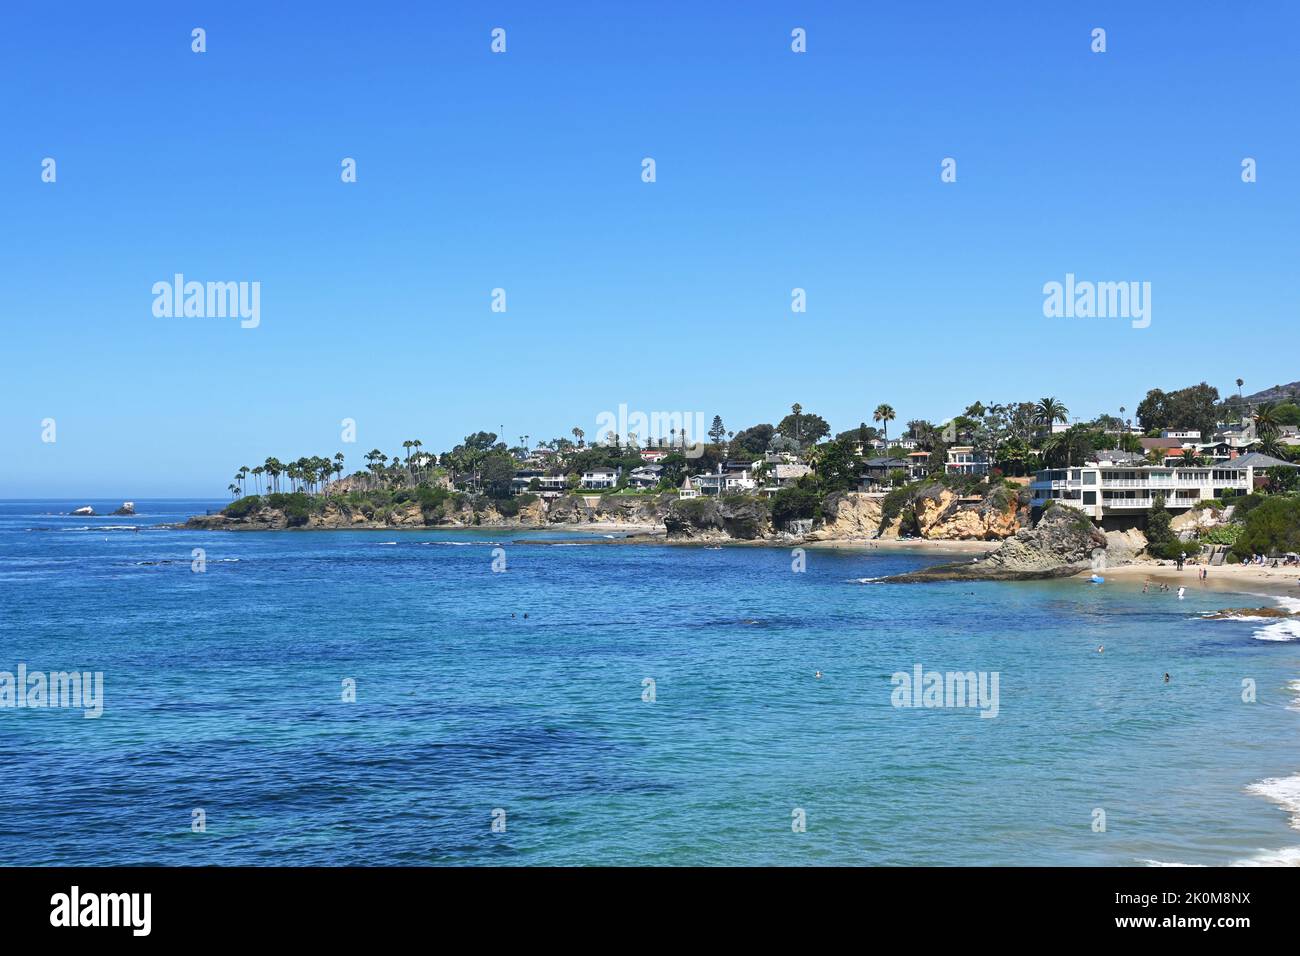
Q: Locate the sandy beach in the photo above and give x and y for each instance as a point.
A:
(1243, 579)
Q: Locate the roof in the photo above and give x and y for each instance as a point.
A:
(1259, 460)
(887, 462)
(1150, 443)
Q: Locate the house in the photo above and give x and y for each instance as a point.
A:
(1118, 491)
(688, 489)
(645, 477)
(1237, 434)
(732, 477)
(548, 486)
(599, 479)
(653, 455)
(1167, 445)
(1184, 435)
(918, 464)
(965, 460)
(876, 472)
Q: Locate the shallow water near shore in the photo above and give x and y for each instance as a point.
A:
(222, 692)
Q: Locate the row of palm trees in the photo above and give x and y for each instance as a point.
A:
(305, 474)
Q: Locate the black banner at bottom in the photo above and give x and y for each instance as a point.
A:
(337, 905)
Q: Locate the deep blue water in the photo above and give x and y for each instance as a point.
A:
(222, 691)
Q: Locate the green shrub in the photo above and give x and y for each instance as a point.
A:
(794, 504)
(243, 507)
(296, 505)
(1271, 527)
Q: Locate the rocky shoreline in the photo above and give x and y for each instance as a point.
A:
(1063, 543)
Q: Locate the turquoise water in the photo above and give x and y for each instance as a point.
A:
(222, 692)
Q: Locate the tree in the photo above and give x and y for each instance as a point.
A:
(1272, 527)
(836, 467)
(1194, 407)
(496, 474)
(805, 428)
(1283, 479)
(1049, 411)
(578, 435)
(1266, 423)
(717, 430)
(754, 439)
(883, 414)
(1159, 530)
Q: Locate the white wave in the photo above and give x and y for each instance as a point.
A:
(1284, 791)
(1163, 863)
(1279, 631)
(1295, 687)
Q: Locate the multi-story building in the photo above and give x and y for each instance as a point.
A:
(1119, 491)
(599, 479)
(965, 460)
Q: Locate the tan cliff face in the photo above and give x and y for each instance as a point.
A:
(851, 514)
(940, 515)
(944, 517)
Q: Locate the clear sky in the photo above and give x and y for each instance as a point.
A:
(522, 171)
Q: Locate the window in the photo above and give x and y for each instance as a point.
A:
(1089, 477)
(1090, 497)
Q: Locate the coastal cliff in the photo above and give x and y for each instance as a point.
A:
(930, 512)
(1063, 543)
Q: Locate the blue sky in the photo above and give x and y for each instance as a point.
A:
(522, 171)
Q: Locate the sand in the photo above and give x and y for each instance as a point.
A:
(1243, 579)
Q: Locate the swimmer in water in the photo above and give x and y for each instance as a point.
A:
(1101, 648)
(818, 675)
(1166, 678)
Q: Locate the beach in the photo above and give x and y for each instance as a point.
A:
(1243, 579)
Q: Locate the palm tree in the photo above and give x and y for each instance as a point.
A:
(796, 409)
(1266, 423)
(884, 414)
(1271, 446)
(579, 434)
(243, 479)
(1048, 411)
(234, 491)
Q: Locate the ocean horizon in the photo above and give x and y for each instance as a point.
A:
(639, 705)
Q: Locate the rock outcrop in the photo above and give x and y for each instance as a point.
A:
(1064, 543)
(942, 516)
(847, 515)
(707, 519)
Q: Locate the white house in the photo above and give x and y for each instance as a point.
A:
(688, 489)
(965, 460)
(600, 478)
(1118, 487)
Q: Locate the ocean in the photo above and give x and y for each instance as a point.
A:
(387, 697)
